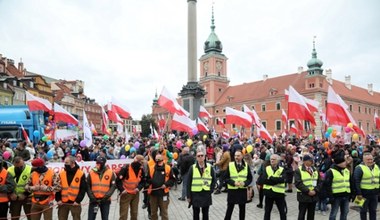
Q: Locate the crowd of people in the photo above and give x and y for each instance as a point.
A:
(322, 173)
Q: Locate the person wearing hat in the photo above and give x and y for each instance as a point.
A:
(44, 182)
(223, 166)
(367, 184)
(100, 187)
(338, 184)
(20, 198)
(7, 186)
(73, 182)
(306, 180)
(130, 180)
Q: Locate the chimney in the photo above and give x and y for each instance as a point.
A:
(370, 88)
(1, 56)
(347, 81)
(300, 69)
(5, 62)
(329, 76)
(265, 77)
(11, 62)
(20, 66)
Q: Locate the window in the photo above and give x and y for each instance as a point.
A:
(233, 125)
(367, 126)
(350, 108)
(365, 110)
(360, 124)
(217, 111)
(264, 123)
(14, 83)
(291, 122)
(359, 109)
(218, 73)
(263, 107)
(220, 90)
(224, 110)
(6, 101)
(278, 106)
(31, 84)
(370, 110)
(205, 73)
(278, 125)
(205, 100)
(224, 120)
(306, 125)
(242, 108)
(253, 107)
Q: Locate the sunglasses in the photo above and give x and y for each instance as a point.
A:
(159, 160)
(201, 155)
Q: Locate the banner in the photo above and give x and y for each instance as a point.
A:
(86, 166)
(63, 134)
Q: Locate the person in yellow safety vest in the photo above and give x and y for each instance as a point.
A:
(338, 185)
(130, 180)
(238, 178)
(7, 186)
(74, 187)
(306, 180)
(101, 183)
(20, 198)
(44, 182)
(274, 179)
(367, 185)
(200, 185)
(161, 179)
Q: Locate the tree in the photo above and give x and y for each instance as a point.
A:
(146, 122)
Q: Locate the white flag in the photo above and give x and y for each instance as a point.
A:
(87, 130)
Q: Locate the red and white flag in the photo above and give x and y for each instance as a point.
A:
(336, 110)
(238, 117)
(264, 134)
(161, 121)
(312, 104)
(284, 118)
(225, 134)
(220, 122)
(300, 125)
(201, 126)
(358, 130)
(286, 95)
(122, 110)
(26, 137)
(168, 102)
(294, 129)
(183, 123)
(104, 122)
(203, 113)
(255, 118)
(60, 114)
(297, 107)
(376, 121)
(36, 103)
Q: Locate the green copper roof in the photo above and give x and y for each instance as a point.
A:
(213, 44)
(314, 62)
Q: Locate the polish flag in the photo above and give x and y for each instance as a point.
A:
(238, 117)
(294, 129)
(104, 122)
(201, 126)
(297, 107)
(376, 121)
(225, 134)
(286, 95)
(26, 137)
(264, 134)
(284, 118)
(120, 109)
(359, 131)
(300, 125)
(312, 105)
(154, 132)
(203, 113)
(168, 102)
(255, 118)
(336, 110)
(36, 103)
(161, 121)
(220, 122)
(183, 123)
(60, 114)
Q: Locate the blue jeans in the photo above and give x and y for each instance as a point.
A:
(342, 203)
(185, 179)
(104, 208)
(370, 204)
(322, 205)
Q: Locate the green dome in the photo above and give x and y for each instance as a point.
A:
(314, 61)
(213, 44)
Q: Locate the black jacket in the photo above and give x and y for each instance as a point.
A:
(124, 174)
(82, 189)
(237, 196)
(303, 196)
(358, 174)
(185, 161)
(159, 179)
(202, 198)
(328, 183)
(273, 181)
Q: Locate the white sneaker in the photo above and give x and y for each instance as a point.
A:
(319, 211)
(324, 213)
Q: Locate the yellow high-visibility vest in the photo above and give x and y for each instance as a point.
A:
(237, 176)
(278, 188)
(340, 183)
(370, 179)
(203, 182)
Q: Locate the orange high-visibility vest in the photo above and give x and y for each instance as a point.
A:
(100, 186)
(151, 161)
(132, 182)
(3, 178)
(47, 181)
(167, 173)
(70, 192)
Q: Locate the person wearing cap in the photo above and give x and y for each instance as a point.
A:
(308, 185)
(100, 187)
(223, 166)
(20, 198)
(73, 183)
(161, 179)
(367, 184)
(44, 182)
(185, 161)
(130, 180)
(338, 184)
(7, 186)
(274, 187)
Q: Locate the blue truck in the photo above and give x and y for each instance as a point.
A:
(13, 117)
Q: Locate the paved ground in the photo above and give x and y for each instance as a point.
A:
(178, 209)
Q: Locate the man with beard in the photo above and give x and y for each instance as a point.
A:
(73, 183)
(20, 198)
(100, 187)
(43, 183)
(130, 181)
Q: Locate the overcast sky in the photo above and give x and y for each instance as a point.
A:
(128, 48)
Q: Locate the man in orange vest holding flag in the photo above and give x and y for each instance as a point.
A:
(100, 186)
(130, 181)
(73, 183)
(43, 184)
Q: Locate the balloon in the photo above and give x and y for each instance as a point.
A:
(244, 151)
(44, 138)
(175, 155)
(347, 129)
(109, 130)
(73, 152)
(82, 143)
(310, 136)
(178, 144)
(49, 154)
(136, 145)
(122, 157)
(132, 149)
(157, 145)
(249, 148)
(257, 140)
(350, 125)
(127, 147)
(50, 117)
(327, 134)
(204, 137)
(330, 129)
(326, 144)
(333, 134)
(105, 137)
(355, 137)
(195, 131)
(36, 134)
(48, 143)
(6, 155)
(189, 142)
